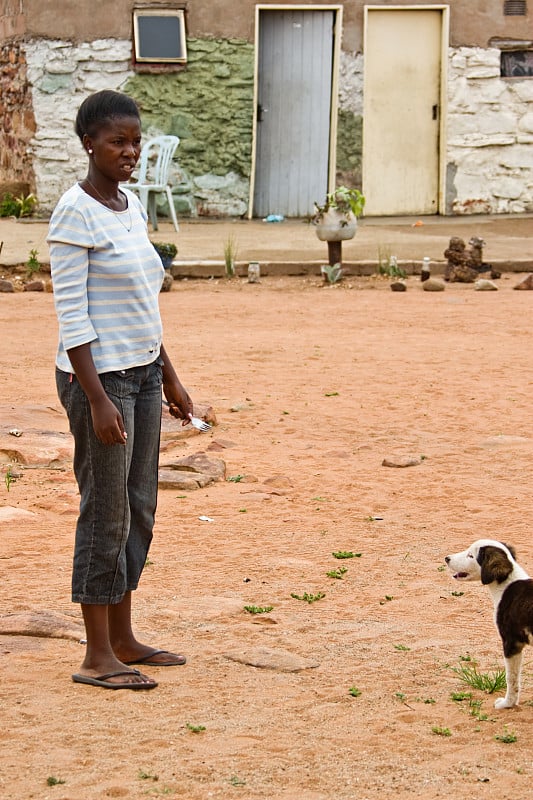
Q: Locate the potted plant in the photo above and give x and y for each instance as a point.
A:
(167, 252)
(336, 219)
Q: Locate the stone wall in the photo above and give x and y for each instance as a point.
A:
(209, 106)
(62, 74)
(489, 136)
(17, 123)
(350, 120)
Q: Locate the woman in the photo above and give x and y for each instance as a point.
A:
(110, 366)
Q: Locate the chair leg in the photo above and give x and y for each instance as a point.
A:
(171, 208)
(152, 209)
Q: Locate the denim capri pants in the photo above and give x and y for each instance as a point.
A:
(117, 483)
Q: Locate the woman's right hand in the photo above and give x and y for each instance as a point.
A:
(107, 421)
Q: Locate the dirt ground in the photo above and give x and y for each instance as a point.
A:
(313, 387)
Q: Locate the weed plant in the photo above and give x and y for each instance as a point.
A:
(488, 682)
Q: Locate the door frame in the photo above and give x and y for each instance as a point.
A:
(443, 89)
(337, 35)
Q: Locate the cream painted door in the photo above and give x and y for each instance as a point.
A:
(401, 116)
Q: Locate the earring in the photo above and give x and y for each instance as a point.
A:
(90, 152)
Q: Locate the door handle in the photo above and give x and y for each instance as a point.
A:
(435, 111)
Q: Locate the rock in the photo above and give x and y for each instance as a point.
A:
(502, 440)
(484, 285)
(433, 285)
(270, 658)
(173, 429)
(526, 284)
(463, 274)
(168, 282)
(398, 286)
(46, 624)
(192, 472)
(38, 448)
(34, 286)
(279, 482)
(221, 444)
(183, 481)
(10, 514)
(6, 286)
(401, 461)
(202, 464)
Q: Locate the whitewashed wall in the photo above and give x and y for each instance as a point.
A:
(62, 75)
(489, 136)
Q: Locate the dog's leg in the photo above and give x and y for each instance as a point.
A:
(513, 666)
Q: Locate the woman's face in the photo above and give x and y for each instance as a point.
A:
(116, 148)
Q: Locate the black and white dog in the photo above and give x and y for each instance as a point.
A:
(493, 563)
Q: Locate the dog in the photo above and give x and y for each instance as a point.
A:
(494, 564)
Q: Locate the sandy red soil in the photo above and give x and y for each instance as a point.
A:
(313, 387)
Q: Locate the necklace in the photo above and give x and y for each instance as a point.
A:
(117, 214)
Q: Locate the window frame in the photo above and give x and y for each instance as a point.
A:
(158, 11)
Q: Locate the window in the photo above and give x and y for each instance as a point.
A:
(516, 64)
(159, 36)
(515, 8)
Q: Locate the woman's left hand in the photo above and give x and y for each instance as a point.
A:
(179, 403)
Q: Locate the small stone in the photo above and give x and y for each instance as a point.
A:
(433, 285)
(398, 286)
(6, 286)
(34, 286)
(401, 461)
(484, 285)
(279, 482)
(270, 658)
(168, 282)
(526, 284)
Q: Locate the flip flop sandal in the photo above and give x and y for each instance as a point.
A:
(175, 661)
(104, 682)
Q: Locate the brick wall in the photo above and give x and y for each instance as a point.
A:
(17, 122)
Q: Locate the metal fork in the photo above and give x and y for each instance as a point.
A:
(199, 424)
(196, 422)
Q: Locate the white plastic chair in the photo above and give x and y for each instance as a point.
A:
(150, 185)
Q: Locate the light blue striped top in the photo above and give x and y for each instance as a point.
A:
(106, 282)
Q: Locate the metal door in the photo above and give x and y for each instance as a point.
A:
(402, 109)
(294, 93)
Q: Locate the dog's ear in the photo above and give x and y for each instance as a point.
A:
(494, 563)
(511, 549)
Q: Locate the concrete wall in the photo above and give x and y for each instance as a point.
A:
(473, 22)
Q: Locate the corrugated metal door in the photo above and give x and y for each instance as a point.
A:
(401, 119)
(295, 62)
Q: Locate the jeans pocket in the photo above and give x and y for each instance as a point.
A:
(119, 383)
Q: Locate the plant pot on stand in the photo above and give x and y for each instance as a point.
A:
(335, 220)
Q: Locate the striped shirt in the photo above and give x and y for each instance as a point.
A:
(106, 282)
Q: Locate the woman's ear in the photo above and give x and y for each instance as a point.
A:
(87, 144)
